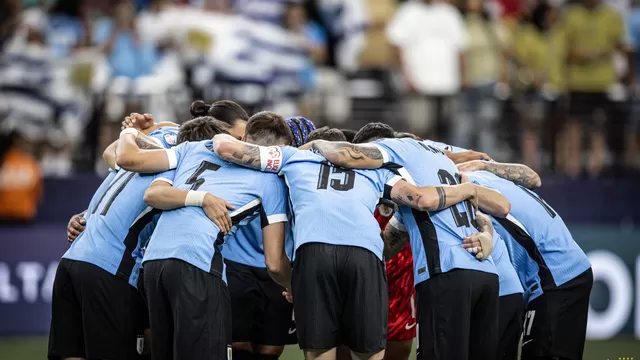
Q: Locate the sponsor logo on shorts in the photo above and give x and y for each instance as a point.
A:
(291, 331)
(409, 326)
(140, 344)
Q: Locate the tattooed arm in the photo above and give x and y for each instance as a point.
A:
(342, 153)
(394, 239)
(138, 153)
(518, 173)
(431, 198)
(239, 152)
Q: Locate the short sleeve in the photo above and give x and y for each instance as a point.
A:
(167, 176)
(388, 178)
(396, 221)
(176, 154)
(478, 180)
(273, 158)
(394, 150)
(399, 31)
(274, 201)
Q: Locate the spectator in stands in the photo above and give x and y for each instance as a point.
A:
(65, 28)
(20, 180)
(431, 39)
(594, 33)
(486, 73)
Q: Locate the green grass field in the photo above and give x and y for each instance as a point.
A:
(35, 348)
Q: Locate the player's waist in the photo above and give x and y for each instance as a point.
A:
(375, 246)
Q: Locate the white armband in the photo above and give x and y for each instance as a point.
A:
(172, 157)
(131, 131)
(270, 158)
(195, 198)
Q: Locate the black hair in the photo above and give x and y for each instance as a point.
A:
(539, 16)
(373, 131)
(223, 110)
(349, 134)
(66, 7)
(268, 128)
(326, 133)
(202, 128)
(401, 135)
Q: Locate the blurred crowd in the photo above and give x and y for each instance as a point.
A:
(551, 84)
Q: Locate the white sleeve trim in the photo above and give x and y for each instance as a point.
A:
(385, 154)
(394, 180)
(173, 158)
(277, 218)
(270, 158)
(163, 179)
(397, 224)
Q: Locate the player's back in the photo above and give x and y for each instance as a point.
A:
(100, 192)
(187, 233)
(436, 237)
(113, 226)
(537, 238)
(333, 205)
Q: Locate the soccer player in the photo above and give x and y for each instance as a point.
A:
(96, 309)
(457, 295)
(337, 243)
(184, 272)
(555, 272)
(327, 133)
(224, 110)
(301, 128)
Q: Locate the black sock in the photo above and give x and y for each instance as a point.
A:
(242, 355)
(265, 357)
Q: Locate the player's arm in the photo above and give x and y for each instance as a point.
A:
(162, 195)
(518, 173)
(431, 198)
(480, 243)
(395, 237)
(354, 156)
(130, 156)
(238, 152)
(465, 156)
(275, 256)
(492, 202)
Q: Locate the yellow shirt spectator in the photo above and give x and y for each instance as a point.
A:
(528, 53)
(487, 40)
(592, 37)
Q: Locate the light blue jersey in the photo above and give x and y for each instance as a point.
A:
(246, 247)
(509, 280)
(187, 233)
(102, 189)
(540, 246)
(114, 223)
(436, 237)
(330, 205)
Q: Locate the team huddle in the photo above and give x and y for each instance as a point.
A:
(233, 236)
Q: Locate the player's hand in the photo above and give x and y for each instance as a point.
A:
(465, 156)
(287, 295)
(138, 121)
(475, 165)
(484, 222)
(479, 244)
(75, 226)
(217, 211)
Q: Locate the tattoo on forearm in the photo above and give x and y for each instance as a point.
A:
(338, 152)
(249, 156)
(395, 239)
(442, 198)
(406, 197)
(519, 174)
(146, 144)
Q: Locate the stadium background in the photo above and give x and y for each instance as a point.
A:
(71, 69)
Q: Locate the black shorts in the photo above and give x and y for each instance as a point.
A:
(457, 313)
(555, 323)
(510, 312)
(339, 298)
(260, 314)
(583, 107)
(189, 311)
(94, 314)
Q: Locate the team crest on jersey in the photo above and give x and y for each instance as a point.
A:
(229, 352)
(171, 139)
(140, 344)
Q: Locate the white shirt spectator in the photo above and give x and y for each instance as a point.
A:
(430, 36)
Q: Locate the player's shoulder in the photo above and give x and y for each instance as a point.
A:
(168, 136)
